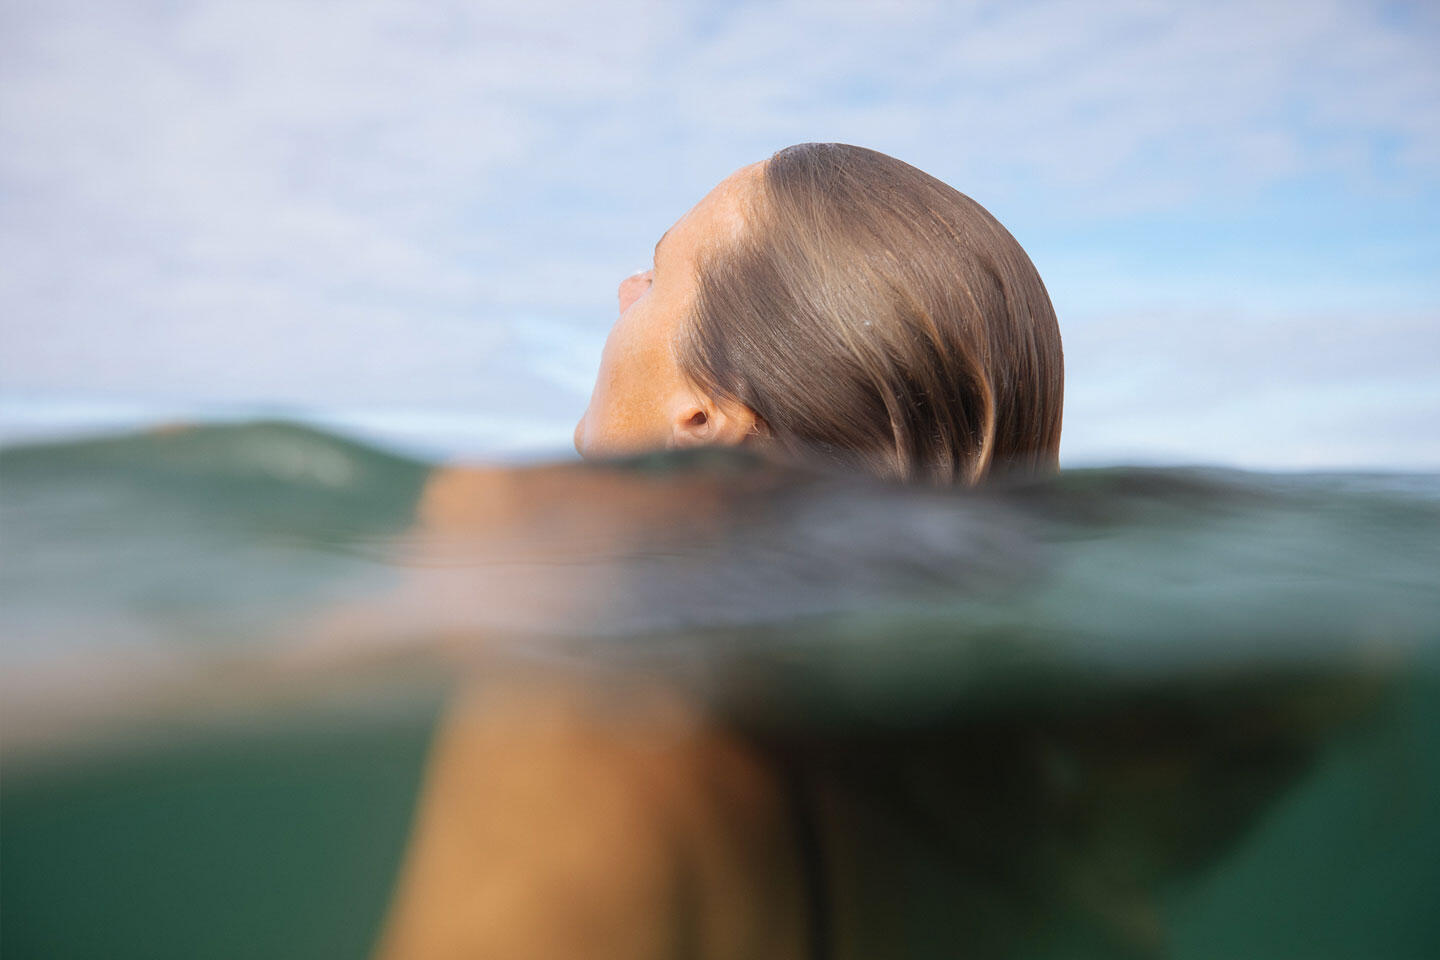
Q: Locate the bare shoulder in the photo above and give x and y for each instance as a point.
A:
(562, 820)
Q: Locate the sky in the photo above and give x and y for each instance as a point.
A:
(407, 221)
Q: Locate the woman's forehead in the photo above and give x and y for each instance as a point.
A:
(720, 216)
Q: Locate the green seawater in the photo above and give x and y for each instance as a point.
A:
(1119, 713)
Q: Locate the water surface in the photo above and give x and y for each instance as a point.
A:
(1120, 712)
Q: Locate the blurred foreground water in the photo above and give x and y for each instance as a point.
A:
(1124, 712)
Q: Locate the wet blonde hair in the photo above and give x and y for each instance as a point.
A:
(874, 317)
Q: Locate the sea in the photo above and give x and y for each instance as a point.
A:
(1126, 711)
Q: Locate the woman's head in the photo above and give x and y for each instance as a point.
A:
(838, 304)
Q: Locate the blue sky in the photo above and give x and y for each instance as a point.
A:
(409, 219)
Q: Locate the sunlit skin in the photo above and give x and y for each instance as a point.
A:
(574, 820)
(641, 399)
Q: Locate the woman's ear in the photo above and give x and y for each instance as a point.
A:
(697, 420)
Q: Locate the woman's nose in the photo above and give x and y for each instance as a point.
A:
(633, 286)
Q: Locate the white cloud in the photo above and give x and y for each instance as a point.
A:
(1263, 391)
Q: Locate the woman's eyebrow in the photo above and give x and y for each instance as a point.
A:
(656, 254)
